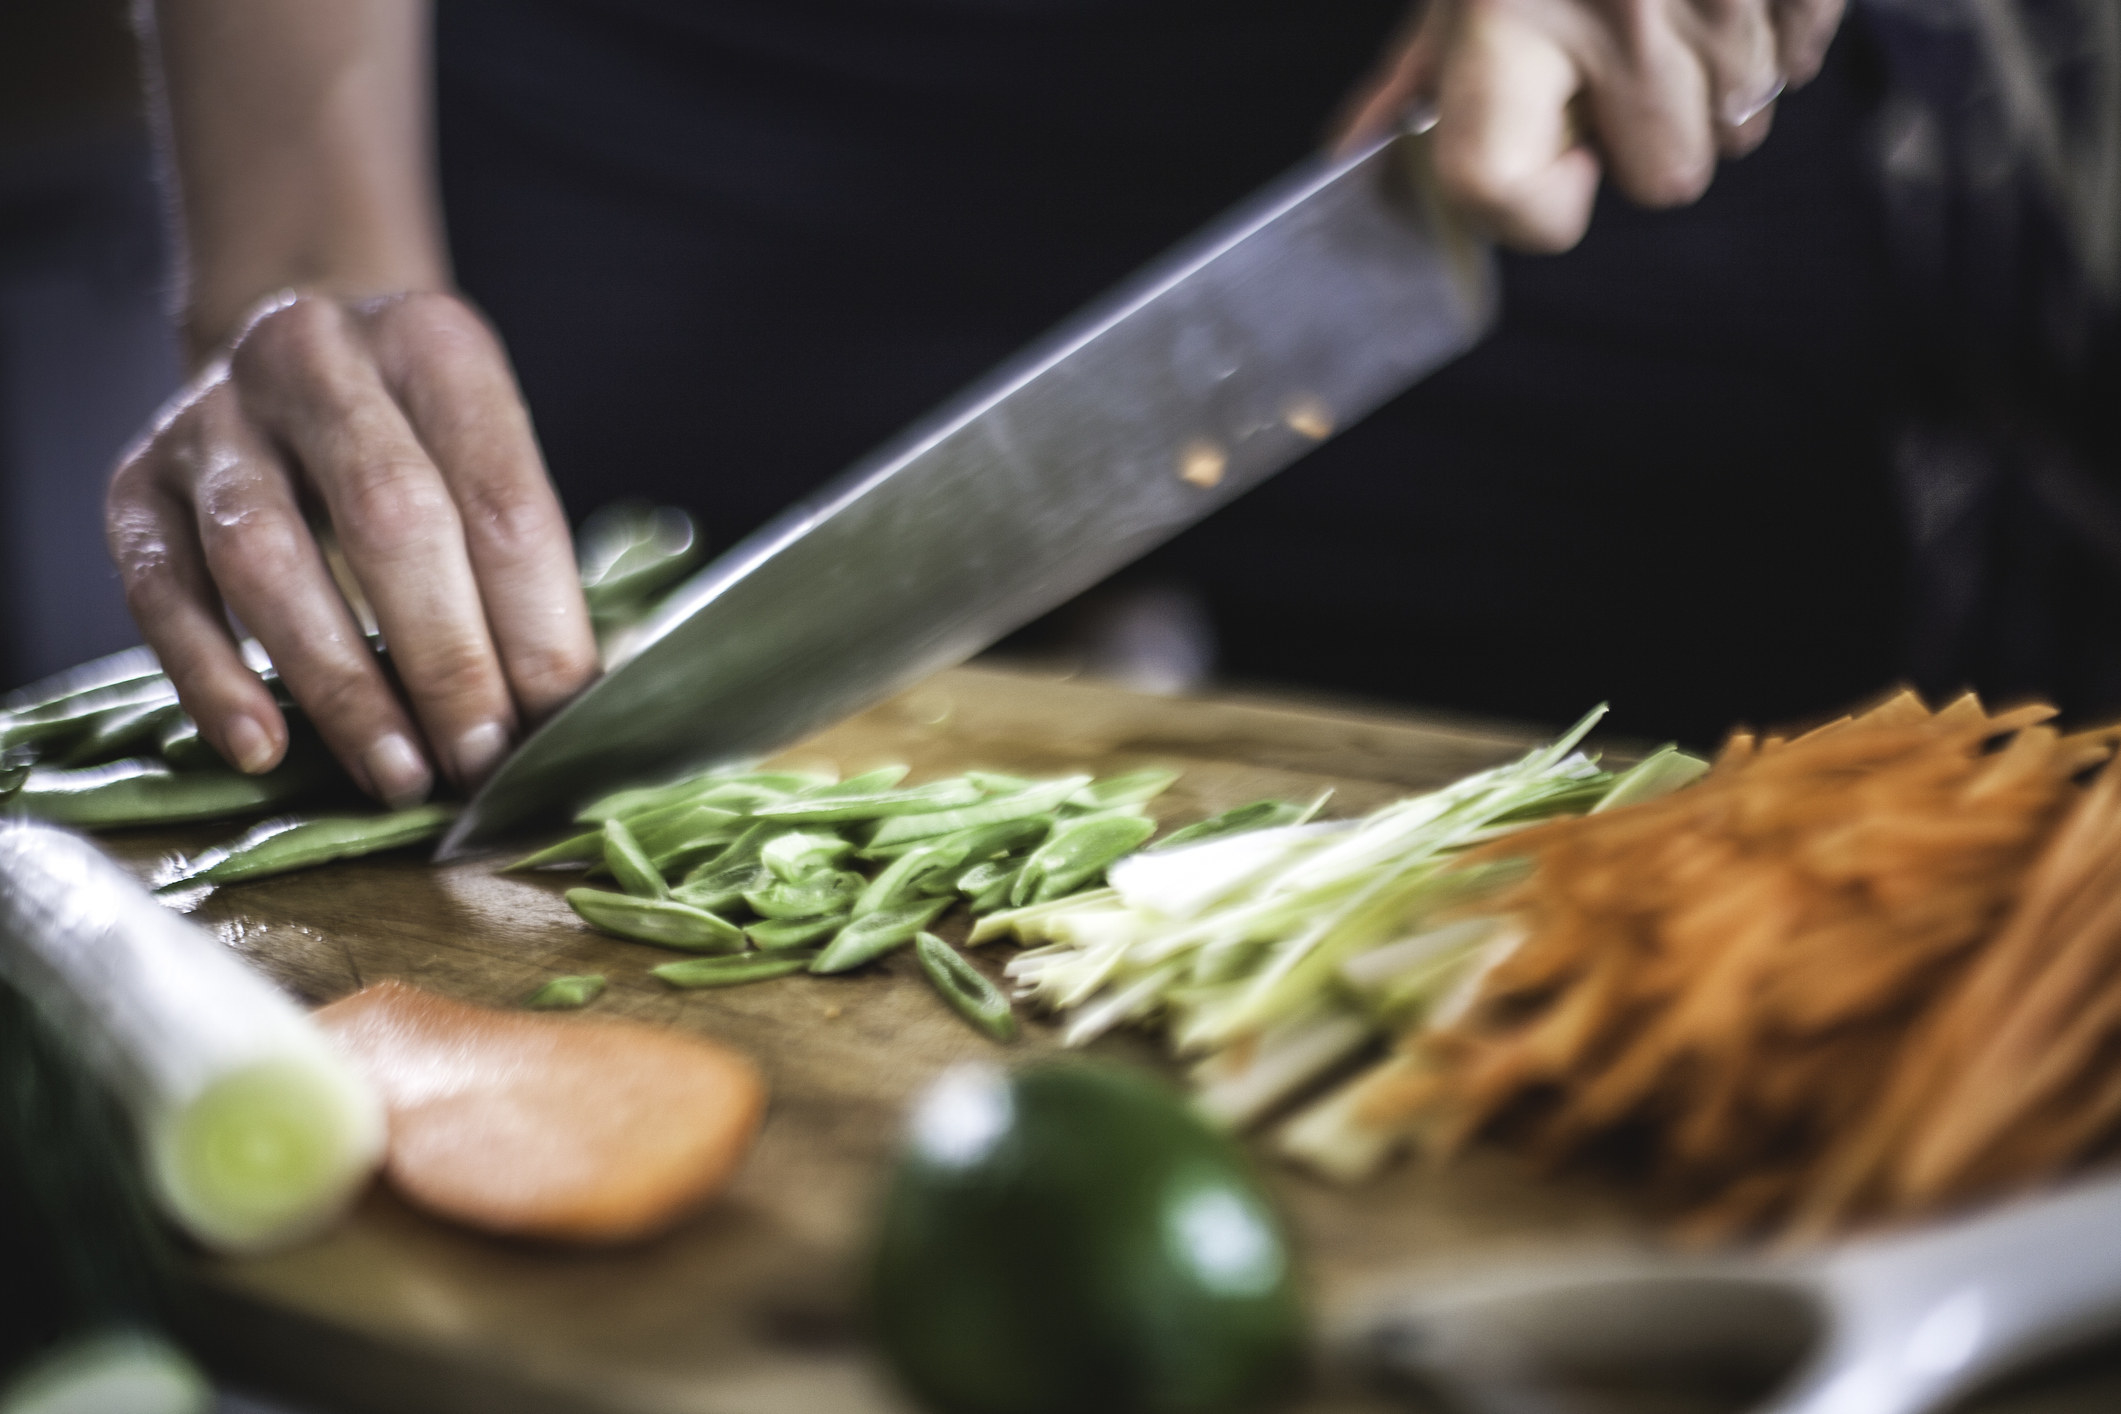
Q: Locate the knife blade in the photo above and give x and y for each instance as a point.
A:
(1285, 321)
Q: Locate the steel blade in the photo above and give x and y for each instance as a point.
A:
(1286, 321)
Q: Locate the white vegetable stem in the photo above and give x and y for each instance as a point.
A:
(252, 1131)
(114, 1372)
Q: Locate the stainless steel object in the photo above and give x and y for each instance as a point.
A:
(1896, 1325)
(1283, 323)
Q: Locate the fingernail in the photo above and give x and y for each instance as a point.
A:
(250, 746)
(480, 749)
(400, 776)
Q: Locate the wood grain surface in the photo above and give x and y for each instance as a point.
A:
(753, 1306)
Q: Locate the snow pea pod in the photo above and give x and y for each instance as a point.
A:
(14, 770)
(119, 731)
(814, 896)
(689, 854)
(1076, 854)
(986, 886)
(902, 881)
(965, 988)
(629, 864)
(837, 808)
(580, 851)
(629, 552)
(291, 843)
(181, 745)
(1259, 815)
(734, 971)
(718, 886)
(1034, 800)
(801, 853)
(567, 993)
(663, 922)
(867, 939)
(1132, 788)
(780, 934)
(980, 841)
(144, 791)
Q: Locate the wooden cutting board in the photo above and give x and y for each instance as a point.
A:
(752, 1307)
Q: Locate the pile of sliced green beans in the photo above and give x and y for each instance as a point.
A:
(769, 873)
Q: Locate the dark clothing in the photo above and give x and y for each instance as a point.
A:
(733, 245)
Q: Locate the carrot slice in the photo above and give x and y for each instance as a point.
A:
(567, 1128)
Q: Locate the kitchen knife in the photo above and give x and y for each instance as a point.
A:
(1285, 321)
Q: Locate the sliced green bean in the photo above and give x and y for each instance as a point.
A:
(833, 808)
(687, 855)
(659, 829)
(1132, 788)
(1077, 853)
(735, 971)
(145, 791)
(814, 896)
(286, 845)
(664, 922)
(800, 853)
(567, 993)
(775, 934)
(578, 851)
(1035, 800)
(629, 863)
(901, 881)
(980, 841)
(867, 939)
(1259, 815)
(967, 989)
(999, 782)
(717, 887)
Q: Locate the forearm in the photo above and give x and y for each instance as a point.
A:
(298, 140)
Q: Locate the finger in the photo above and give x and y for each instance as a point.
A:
(1734, 41)
(1406, 78)
(308, 378)
(273, 576)
(1652, 102)
(1506, 147)
(153, 541)
(1803, 31)
(448, 371)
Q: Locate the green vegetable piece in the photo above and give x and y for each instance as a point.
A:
(629, 863)
(901, 881)
(663, 922)
(1097, 1247)
(716, 887)
(776, 934)
(967, 989)
(980, 841)
(1660, 773)
(628, 552)
(1034, 800)
(53, 726)
(800, 853)
(121, 731)
(687, 855)
(1130, 789)
(813, 896)
(15, 763)
(181, 745)
(870, 782)
(999, 782)
(1076, 854)
(867, 939)
(144, 791)
(578, 851)
(567, 993)
(986, 886)
(734, 971)
(834, 807)
(670, 825)
(285, 845)
(1259, 815)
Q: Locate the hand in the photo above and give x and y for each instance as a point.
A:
(1523, 89)
(398, 417)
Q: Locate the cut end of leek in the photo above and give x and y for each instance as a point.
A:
(269, 1153)
(113, 1373)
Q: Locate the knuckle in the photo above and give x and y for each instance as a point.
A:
(298, 330)
(453, 670)
(547, 675)
(1672, 182)
(337, 692)
(389, 502)
(512, 518)
(253, 554)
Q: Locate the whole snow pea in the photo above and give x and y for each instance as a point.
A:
(53, 725)
(285, 845)
(1039, 799)
(567, 993)
(181, 745)
(814, 896)
(734, 971)
(120, 731)
(1076, 854)
(965, 988)
(143, 791)
(867, 939)
(779, 934)
(664, 922)
(629, 863)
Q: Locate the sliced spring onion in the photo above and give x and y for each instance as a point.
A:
(253, 1132)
